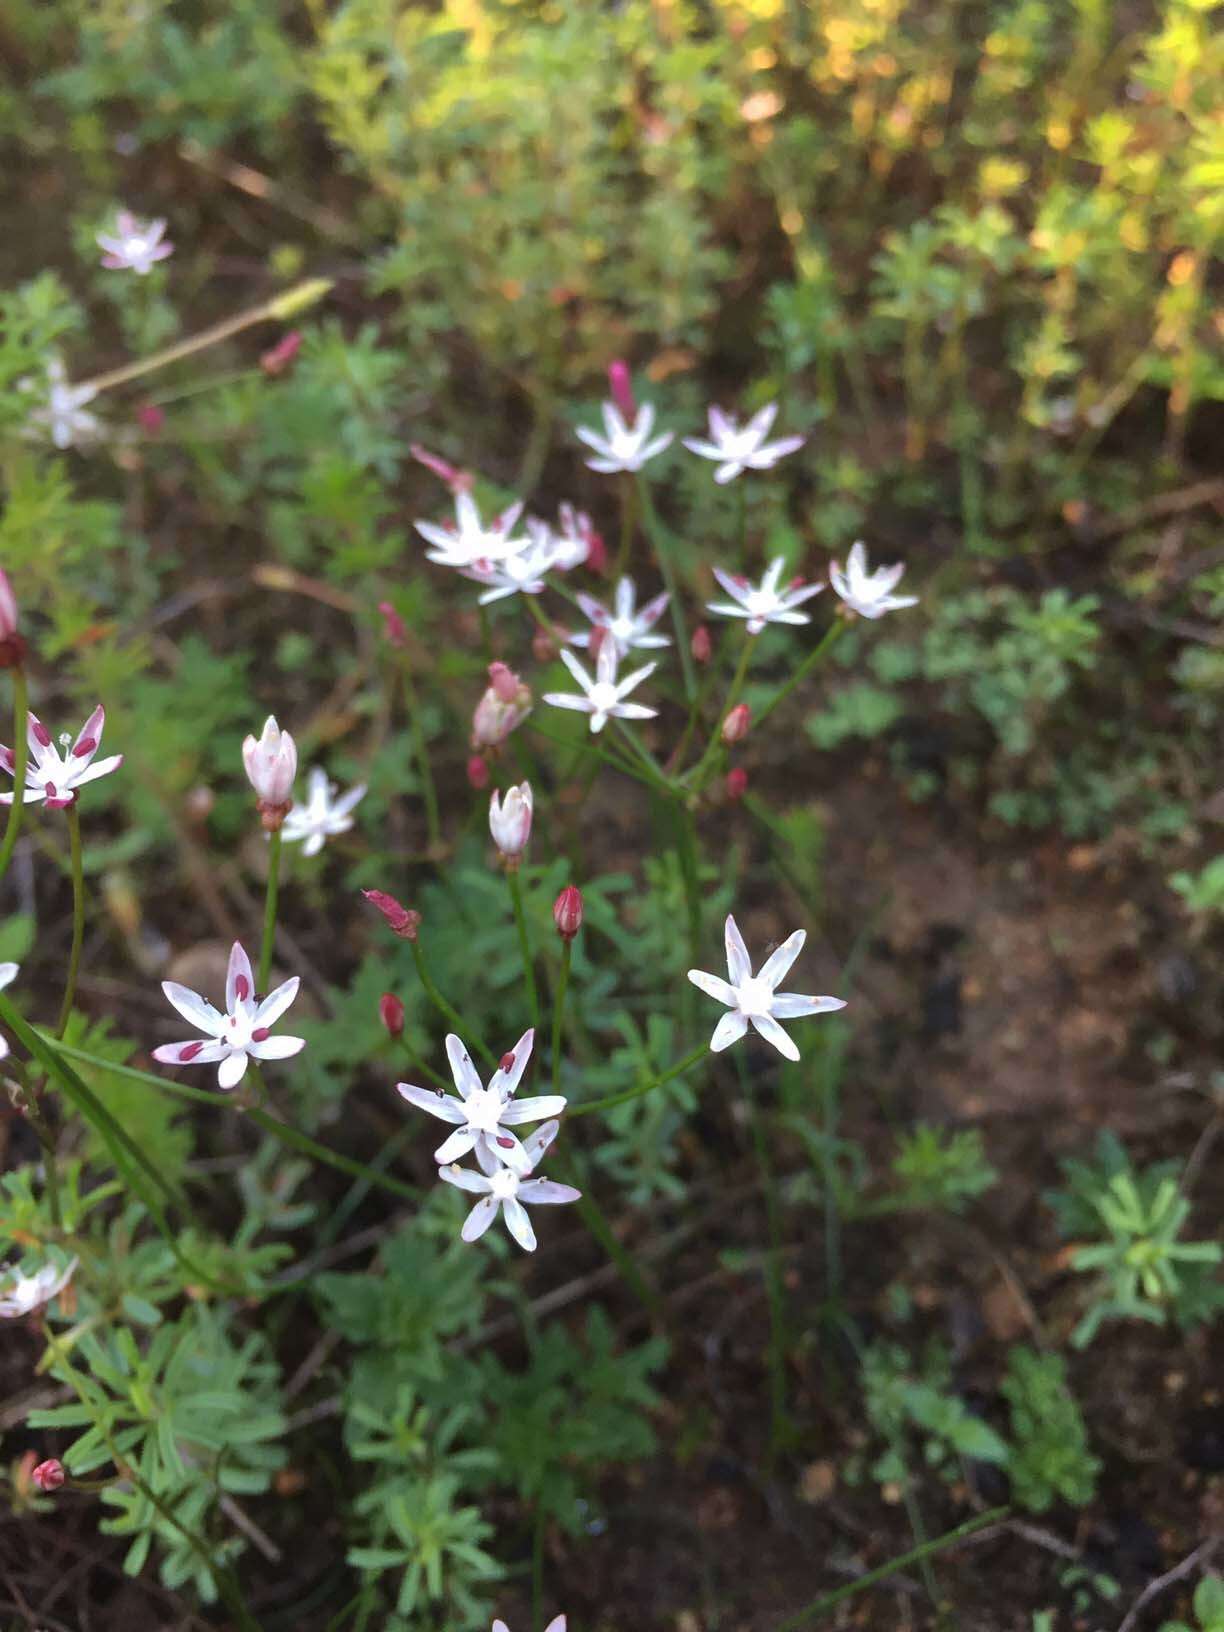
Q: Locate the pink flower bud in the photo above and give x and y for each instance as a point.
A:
(735, 726)
(12, 646)
(597, 552)
(271, 765)
(621, 387)
(477, 772)
(510, 820)
(736, 783)
(567, 912)
(544, 643)
(391, 1013)
(403, 921)
(502, 708)
(394, 631)
(49, 1475)
(595, 640)
(278, 359)
(459, 481)
(700, 645)
(150, 417)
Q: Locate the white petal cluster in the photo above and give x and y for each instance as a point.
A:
(628, 628)
(134, 246)
(54, 774)
(271, 764)
(754, 999)
(626, 444)
(63, 415)
(603, 698)
(484, 1119)
(764, 603)
(22, 1294)
(736, 449)
(243, 1033)
(870, 594)
(468, 541)
(323, 816)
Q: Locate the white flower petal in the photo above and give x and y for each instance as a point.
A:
(533, 1110)
(729, 1030)
(276, 1002)
(276, 1048)
(458, 1144)
(780, 961)
(464, 1072)
(712, 986)
(519, 1224)
(194, 1008)
(794, 1006)
(479, 1219)
(444, 1106)
(232, 1069)
(772, 1032)
(739, 965)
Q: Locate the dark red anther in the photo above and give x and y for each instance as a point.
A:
(242, 987)
(506, 1144)
(49, 790)
(7, 760)
(41, 734)
(190, 1051)
(739, 579)
(86, 746)
(507, 1061)
(260, 1034)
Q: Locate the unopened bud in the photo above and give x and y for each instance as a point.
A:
(478, 772)
(403, 921)
(621, 387)
(502, 708)
(701, 645)
(49, 1475)
(12, 647)
(271, 765)
(736, 783)
(504, 682)
(391, 1013)
(567, 912)
(150, 418)
(510, 820)
(735, 726)
(459, 481)
(395, 632)
(278, 359)
(597, 552)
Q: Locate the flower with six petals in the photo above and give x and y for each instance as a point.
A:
(626, 443)
(754, 999)
(629, 629)
(323, 816)
(737, 448)
(136, 246)
(483, 1117)
(468, 541)
(505, 1189)
(53, 776)
(64, 414)
(765, 604)
(603, 698)
(241, 1034)
(870, 594)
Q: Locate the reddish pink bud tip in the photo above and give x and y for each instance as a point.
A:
(280, 357)
(243, 987)
(85, 746)
(391, 1013)
(597, 552)
(507, 1061)
(737, 783)
(150, 417)
(394, 629)
(620, 385)
(260, 1034)
(49, 1475)
(701, 646)
(403, 921)
(477, 772)
(504, 681)
(735, 726)
(798, 581)
(41, 734)
(506, 1144)
(190, 1051)
(567, 912)
(739, 579)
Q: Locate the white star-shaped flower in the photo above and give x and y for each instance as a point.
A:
(138, 246)
(64, 414)
(625, 445)
(21, 1294)
(870, 594)
(736, 449)
(765, 604)
(573, 539)
(604, 697)
(754, 998)
(55, 777)
(484, 1116)
(519, 574)
(8, 974)
(239, 1035)
(468, 540)
(627, 628)
(506, 1189)
(323, 816)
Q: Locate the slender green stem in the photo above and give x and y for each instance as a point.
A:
(520, 923)
(537, 1567)
(691, 874)
(697, 775)
(917, 1555)
(628, 520)
(801, 673)
(271, 899)
(741, 517)
(593, 1217)
(429, 792)
(662, 548)
(656, 775)
(567, 952)
(78, 916)
(601, 752)
(46, 1139)
(611, 1100)
(21, 749)
(448, 1012)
